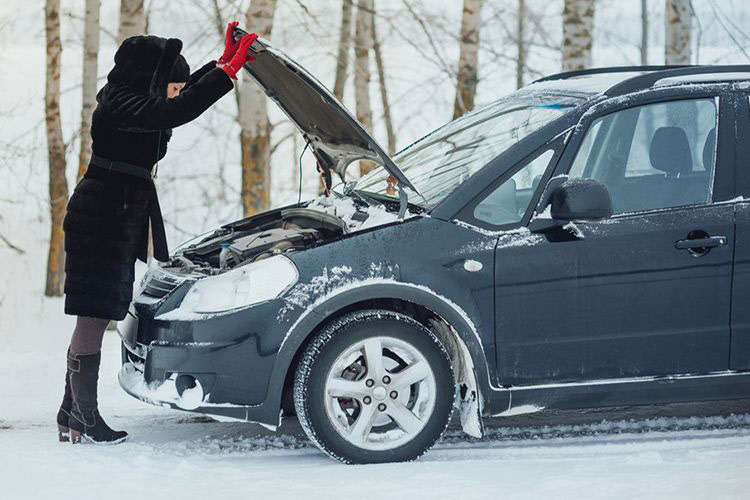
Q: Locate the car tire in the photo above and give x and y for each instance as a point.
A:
(374, 386)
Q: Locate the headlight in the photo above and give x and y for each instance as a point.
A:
(240, 287)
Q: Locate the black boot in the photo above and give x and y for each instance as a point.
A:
(63, 414)
(85, 421)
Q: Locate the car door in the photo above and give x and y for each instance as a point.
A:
(645, 292)
(740, 349)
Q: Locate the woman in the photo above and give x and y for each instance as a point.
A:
(148, 92)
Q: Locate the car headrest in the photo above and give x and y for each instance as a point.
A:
(670, 151)
(709, 148)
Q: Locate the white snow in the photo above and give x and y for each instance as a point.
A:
(520, 410)
(481, 230)
(345, 208)
(521, 237)
(574, 230)
(176, 455)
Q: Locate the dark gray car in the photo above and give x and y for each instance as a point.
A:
(582, 242)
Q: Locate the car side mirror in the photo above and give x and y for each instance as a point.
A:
(575, 199)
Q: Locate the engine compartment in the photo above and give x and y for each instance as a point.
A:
(234, 245)
(281, 231)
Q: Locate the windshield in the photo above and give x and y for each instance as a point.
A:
(438, 163)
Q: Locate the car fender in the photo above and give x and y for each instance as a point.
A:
(372, 289)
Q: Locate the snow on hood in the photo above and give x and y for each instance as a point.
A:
(345, 208)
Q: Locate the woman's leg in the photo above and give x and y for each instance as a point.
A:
(87, 339)
(88, 335)
(84, 358)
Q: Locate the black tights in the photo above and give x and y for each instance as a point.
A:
(88, 334)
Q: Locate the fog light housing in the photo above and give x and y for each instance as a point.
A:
(189, 390)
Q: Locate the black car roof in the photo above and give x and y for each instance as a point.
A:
(619, 80)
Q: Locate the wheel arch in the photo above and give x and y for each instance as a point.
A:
(446, 320)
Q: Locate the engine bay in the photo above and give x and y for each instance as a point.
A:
(236, 244)
(280, 231)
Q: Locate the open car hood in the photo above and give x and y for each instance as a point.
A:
(334, 134)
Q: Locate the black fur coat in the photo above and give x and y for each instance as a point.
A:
(107, 220)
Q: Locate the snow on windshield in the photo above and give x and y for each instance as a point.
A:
(441, 161)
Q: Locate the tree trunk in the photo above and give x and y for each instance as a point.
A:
(345, 39)
(578, 24)
(90, 53)
(132, 19)
(58, 185)
(520, 43)
(678, 20)
(644, 32)
(362, 45)
(466, 85)
(255, 129)
(383, 89)
(342, 61)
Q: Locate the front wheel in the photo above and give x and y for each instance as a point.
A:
(374, 386)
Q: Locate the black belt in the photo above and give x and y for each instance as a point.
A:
(119, 166)
(158, 234)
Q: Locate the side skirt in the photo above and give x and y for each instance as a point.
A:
(621, 392)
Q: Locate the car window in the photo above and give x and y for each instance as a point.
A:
(653, 156)
(508, 202)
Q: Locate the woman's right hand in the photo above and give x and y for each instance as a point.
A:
(230, 47)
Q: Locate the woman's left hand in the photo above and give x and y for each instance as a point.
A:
(231, 44)
(241, 56)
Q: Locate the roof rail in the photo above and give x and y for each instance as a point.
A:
(647, 80)
(607, 69)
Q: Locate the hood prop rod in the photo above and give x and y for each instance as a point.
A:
(403, 201)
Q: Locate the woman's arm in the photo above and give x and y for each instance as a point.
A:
(132, 109)
(199, 73)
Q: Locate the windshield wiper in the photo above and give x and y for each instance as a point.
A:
(370, 202)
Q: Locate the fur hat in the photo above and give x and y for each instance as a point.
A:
(148, 63)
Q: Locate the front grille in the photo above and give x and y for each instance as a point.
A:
(158, 284)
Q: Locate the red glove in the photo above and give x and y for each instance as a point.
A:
(240, 57)
(231, 44)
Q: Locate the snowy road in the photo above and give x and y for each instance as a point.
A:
(177, 455)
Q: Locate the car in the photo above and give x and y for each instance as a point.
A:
(582, 242)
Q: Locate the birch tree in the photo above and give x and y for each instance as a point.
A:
(255, 129)
(58, 186)
(520, 43)
(578, 24)
(362, 46)
(678, 19)
(342, 58)
(644, 32)
(466, 85)
(383, 89)
(90, 53)
(132, 19)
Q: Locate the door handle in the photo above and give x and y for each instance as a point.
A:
(701, 243)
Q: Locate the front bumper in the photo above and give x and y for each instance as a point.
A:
(229, 358)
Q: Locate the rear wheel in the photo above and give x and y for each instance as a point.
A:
(374, 386)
